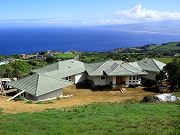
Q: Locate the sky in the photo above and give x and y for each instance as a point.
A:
(87, 12)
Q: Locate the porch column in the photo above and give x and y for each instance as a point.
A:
(114, 81)
(127, 81)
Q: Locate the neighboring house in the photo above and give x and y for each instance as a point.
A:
(3, 83)
(151, 66)
(40, 87)
(3, 62)
(48, 82)
(72, 70)
(6, 61)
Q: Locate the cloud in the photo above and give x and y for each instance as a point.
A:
(137, 14)
(140, 13)
(43, 22)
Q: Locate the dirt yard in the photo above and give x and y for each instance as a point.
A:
(80, 97)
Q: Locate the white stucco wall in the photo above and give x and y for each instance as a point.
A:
(98, 81)
(51, 95)
(150, 75)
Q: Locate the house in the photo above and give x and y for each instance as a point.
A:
(25, 56)
(4, 62)
(151, 66)
(3, 83)
(40, 87)
(114, 73)
(48, 82)
(72, 70)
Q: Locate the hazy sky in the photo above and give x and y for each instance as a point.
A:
(87, 12)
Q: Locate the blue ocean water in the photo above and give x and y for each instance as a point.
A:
(28, 40)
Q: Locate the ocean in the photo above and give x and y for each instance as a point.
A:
(36, 39)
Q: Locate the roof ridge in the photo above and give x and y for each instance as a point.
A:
(99, 66)
(37, 83)
(53, 77)
(112, 65)
(127, 69)
(58, 65)
(156, 64)
(134, 67)
(142, 62)
(150, 64)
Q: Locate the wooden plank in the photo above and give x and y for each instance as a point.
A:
(16, 95)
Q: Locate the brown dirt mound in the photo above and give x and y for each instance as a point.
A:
(80, 97)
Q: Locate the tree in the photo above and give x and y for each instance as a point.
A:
(160, 76)
(6, 71)
(42, 53)
(22, 66)
(173, 71)
(16, 73)
(51, 59)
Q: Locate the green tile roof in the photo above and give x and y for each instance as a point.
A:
(63, 66)
(39, 84)
(150, 65)
(124, 69)
(112, 68)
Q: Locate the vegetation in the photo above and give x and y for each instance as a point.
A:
(51, 59)
(97, 119)
(90, 57)
(166, 49)
(166, 59)
(19, 68)
(165, 53)
(65, 56)
(173, 71)
(170, 76)
(2, 57)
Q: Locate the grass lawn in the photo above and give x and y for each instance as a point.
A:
(65, 56)
(96, 119)
(165, 60)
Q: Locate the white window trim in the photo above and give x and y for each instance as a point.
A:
(104, 78)
(69, 78)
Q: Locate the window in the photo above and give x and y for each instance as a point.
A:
(102, 78)
(134, 78)
(130, 78)
(69, 78)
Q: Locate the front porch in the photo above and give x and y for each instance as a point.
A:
(124, 81)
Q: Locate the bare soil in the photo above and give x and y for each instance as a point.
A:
(80, 97)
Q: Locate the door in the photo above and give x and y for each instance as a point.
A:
(119, 80)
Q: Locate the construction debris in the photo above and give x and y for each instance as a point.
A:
(168, 97)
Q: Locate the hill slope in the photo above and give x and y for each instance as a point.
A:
(171, 48)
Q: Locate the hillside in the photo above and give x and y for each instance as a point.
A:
(96, 119)
(171, 48)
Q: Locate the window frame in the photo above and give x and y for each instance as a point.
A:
(102, 78)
